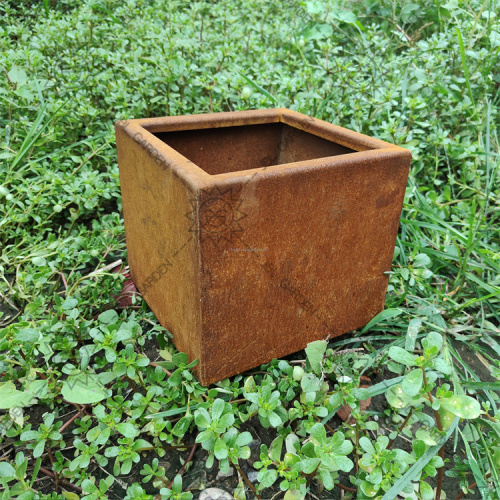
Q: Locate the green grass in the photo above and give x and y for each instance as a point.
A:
(421, 74)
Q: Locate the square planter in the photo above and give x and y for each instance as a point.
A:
(252, 233)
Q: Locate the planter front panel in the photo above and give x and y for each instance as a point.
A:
(277, 230)
(306, 260)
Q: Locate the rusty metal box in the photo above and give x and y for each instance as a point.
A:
(252, 233)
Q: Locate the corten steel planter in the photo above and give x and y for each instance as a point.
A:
(252, 233)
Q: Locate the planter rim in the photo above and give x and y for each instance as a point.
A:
(142, 130)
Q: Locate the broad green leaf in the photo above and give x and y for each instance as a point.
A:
(202, 418)
(108, 317)
(69, 495)
(343, 463)
(369, 489)
(267, 477)
(361, 393)
(346, 17)
(315, 352)
(406, 12)
(402, 356)
(83, 388)
(218, 408)
(28, 335)
(310, 383)
(220, 449)
(285, 367)
(10, 397)
(433, 339)
(127, 429)
(319, 433)
(40, 262)
(274, 419)
(462, 406)
(182, 426)
(181, 358)
(6, 470)
(89, 487)
(244, 438)
(317, 32)
(444, 367)
(375, 477)
(411, 335)
(426, 491)
(250, 385)
(336, 399)
(397, 398)
(239, 492)
(17, 75)
(204, 436)
(308, 465)
(275, 449)
(412, 383)
(367, 445)
(290, 443)
(422, 260)
(69, 303)
(419, 447)
(293, 495)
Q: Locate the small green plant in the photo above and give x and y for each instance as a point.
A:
(219, 437)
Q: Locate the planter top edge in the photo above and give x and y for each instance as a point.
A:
(335, 133)
(313, 164)
(365, 147)
(209, 120)
(343, 136)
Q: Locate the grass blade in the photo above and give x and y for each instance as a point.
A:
(478, 475)
(417, 467)
(383, 316)
(464, 62)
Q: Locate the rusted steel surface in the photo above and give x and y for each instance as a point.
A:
(252, 233)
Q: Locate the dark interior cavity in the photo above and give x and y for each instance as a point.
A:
(233, 149)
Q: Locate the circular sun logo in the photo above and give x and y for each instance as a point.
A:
(219, 216)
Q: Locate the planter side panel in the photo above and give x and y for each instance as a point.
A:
(163, 252)
(308, 263)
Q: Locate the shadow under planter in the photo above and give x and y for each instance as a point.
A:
(253, 233)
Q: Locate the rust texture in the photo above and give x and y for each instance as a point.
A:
(252, 233)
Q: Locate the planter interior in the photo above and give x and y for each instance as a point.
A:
(233, 149)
